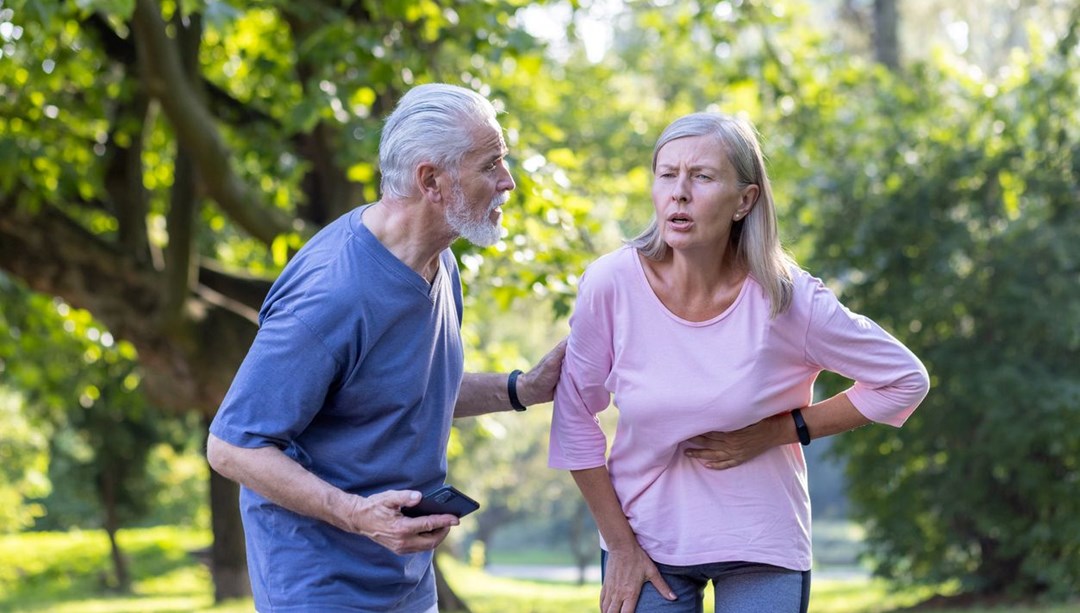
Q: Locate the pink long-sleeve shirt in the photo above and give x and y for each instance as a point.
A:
(673, 379)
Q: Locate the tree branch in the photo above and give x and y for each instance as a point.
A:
(326, 185)
(164, 78)
(54, 255)
(128, 197)
(180, 255)
(242, 289)
(220, 101)
(188, 367)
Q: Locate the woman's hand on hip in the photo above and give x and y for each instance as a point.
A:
(624, 574)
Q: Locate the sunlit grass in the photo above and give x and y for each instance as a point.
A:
(487, 594)
(64, 573)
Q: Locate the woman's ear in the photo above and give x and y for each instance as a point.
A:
(747, 200)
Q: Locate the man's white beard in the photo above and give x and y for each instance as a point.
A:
(482, 232)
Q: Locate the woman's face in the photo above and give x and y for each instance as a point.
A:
(696, 194)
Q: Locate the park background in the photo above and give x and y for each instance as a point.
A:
(161, 159)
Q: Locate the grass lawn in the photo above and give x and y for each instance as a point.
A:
(65, 573)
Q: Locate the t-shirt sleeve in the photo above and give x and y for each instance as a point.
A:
(280, 386)
(577, 440)
(890, 381)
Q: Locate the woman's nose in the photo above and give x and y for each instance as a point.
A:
(679, 192)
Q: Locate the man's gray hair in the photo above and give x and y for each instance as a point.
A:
(432, 123)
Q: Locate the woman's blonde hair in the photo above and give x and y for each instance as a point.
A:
(754, 239)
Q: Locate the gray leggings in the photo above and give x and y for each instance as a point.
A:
(739, 587)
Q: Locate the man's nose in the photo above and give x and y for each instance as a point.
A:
(506, 182)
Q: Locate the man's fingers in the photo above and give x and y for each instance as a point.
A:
(423, 541)
(398, 498)
(431, 523)
(432, 538)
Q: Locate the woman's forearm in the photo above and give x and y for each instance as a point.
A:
(832, 416)
(599, 493)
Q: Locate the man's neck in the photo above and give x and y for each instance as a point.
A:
(413, 230)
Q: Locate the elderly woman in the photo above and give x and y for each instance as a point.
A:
(710, 338)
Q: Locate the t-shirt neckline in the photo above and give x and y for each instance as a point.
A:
(388, 259)
(644, 280)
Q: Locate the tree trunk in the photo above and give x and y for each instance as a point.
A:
(123, 577)
(228, 555)
(112, 525)
(449, 602)
(582, 555)
(886, 39)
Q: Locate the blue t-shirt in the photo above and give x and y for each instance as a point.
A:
(354, 374)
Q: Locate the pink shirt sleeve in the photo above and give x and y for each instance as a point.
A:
(577, 441)
(889, 380)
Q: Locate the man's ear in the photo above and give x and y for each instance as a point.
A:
(427, 181)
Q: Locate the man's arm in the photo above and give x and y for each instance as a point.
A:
(487, 392)
(278, 478)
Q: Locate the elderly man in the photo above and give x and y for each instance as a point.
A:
(340, 414)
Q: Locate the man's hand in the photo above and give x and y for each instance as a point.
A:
(379, 518)
(538, 385)
(721, 450)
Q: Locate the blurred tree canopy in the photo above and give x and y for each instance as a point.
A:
(950, 212)
(80, 390)
(160, 160)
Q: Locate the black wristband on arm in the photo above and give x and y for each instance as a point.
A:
(800, 427)
(511, 391)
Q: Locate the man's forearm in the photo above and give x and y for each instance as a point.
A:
(282, 481)
(279, 479)
(481, 393)
(489, 392)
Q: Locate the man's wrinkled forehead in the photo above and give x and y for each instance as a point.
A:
(489, 139)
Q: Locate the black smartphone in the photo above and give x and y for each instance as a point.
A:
(446, 499)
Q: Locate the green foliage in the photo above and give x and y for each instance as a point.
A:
(948, 213)
(181, 476)
(80, 412)
(23, 466)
